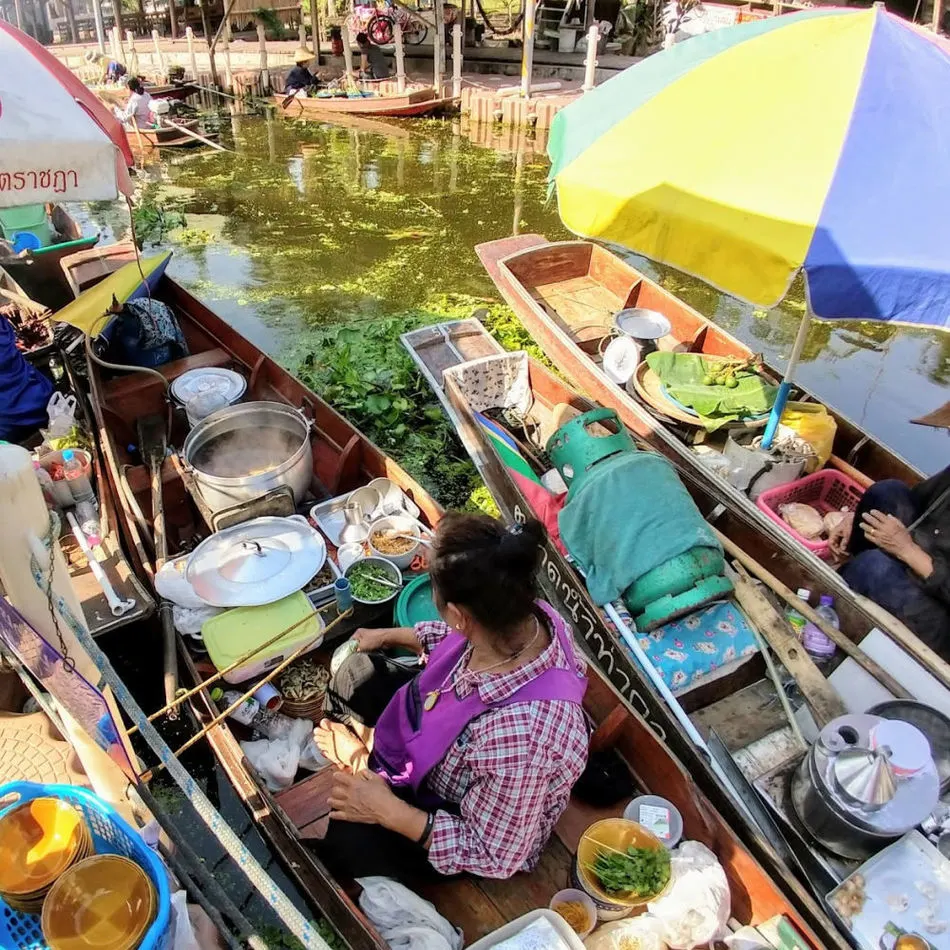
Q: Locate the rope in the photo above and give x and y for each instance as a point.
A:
(265, 885)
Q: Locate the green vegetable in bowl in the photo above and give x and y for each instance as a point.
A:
(638, 872)
(364, 581)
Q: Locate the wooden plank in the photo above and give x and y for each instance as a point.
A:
(525, 892)
(743, 717)
(308, 801)
(821, 697)
(463, 904)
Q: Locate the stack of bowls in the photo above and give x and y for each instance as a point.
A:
(106, 902)
(39, 841)
(312, 707)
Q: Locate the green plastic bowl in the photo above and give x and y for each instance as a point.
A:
(415, 604)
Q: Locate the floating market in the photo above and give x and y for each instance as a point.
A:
(458, 492)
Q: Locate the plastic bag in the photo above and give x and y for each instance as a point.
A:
(815, 425)
(635, 933)
(184, 938)
(189, 620)
(170, 583)
(61, 411)
(275, 760)
(696, 905)
(396, 910)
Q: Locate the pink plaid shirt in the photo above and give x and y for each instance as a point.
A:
(510, 771)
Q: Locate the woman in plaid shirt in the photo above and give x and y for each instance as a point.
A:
(467, 765)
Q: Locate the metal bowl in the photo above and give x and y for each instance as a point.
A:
(931, 722)
(395, 575)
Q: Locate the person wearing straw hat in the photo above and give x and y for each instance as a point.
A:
(300, 78)
(112, 70)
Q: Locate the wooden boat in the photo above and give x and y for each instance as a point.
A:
(38, 273)
(737, 702)
(344, 459)
(567, 293)
(413, 102)
(164, 136)
(118, 95)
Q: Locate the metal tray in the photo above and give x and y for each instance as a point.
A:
(910, 868)
(328, 515)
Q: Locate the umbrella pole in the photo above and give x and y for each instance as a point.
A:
(786, 387)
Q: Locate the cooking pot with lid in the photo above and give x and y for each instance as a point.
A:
(241, 452)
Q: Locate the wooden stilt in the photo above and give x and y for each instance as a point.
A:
(315, 29)
(159, 55)
(457, 61)
(590, 60)
(262, 42)
(527, 52)
(190, 37)
(347, 53)
(400, 58)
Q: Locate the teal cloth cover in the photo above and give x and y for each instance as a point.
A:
(631, 515)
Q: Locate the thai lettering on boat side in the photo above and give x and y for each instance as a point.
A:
(59, 179)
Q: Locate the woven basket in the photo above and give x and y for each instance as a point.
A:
(308, 709)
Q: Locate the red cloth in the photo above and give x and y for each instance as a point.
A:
(510, 772)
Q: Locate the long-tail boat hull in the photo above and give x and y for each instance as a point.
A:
(414, 102)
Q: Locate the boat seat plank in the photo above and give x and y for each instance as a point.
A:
(308, 801)
(744, 717)
(464, 904)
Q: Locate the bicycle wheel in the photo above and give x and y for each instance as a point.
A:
(415, 33)
(379, 30)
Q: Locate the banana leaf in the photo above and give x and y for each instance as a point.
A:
(682, 377)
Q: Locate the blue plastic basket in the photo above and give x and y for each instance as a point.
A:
(111, 834)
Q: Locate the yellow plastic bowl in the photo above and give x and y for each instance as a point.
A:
(38, 841)
(106, 902)
(617, 833)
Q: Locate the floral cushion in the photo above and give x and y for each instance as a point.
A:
(696, 647)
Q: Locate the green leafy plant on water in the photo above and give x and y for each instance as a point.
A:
(278, 939)
(153, 221)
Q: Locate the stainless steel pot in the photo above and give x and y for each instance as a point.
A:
(295, 471)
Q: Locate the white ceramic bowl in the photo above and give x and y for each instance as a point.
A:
(402, 524)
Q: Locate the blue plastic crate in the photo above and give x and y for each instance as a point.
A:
(111, 834)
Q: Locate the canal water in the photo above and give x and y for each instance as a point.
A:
(322, 242)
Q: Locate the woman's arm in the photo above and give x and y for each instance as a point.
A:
(890, 534)
(378, 639)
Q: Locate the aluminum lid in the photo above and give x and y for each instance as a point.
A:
(229, 384)
(642, 324)
(257, 562)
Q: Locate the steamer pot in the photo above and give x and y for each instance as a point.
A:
(296, 470)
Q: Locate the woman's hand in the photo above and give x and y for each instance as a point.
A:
(841, 534)
(369, 640)
(887, 533)
(341, 746)
(365, 798)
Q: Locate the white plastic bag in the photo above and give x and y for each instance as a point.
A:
(171, 584)
(278, 759)
(697, 904)
(61, 411)
(185, 938)
(396, 910)
(190, 620)
(634, 933)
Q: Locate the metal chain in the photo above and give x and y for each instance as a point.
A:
(52, 537)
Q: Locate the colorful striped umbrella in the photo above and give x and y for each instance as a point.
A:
(817, 141)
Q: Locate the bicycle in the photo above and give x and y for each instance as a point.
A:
(379, 25)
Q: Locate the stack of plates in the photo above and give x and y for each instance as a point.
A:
(106, 902)
(39, 840)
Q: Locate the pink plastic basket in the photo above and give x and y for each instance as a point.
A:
(827, 490)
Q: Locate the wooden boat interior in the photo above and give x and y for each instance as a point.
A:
(294, 818)
(580, 286)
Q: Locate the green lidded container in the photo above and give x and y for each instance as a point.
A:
(574, 450)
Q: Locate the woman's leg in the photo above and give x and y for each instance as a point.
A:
(363, 686)
(892, 497)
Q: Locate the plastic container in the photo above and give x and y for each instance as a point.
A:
(415, 603)
(77, 475)
(827, 490)
(110, 835)
(26, 219)
(343, 594)
(573, 895)
(816, 643)
(659, 816)
(234, 633)
(516, 926)
(795, 620)
(62, 494)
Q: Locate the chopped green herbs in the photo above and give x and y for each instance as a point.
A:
(640, 872)
(364, 581)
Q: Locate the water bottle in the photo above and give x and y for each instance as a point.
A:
(795, 620)
(73, 470)
(87, 514)
(246, 713)
(816, 643)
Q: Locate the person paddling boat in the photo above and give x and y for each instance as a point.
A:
(467, 766)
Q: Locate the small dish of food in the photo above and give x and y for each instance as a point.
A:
(373, 580)
(395, 538)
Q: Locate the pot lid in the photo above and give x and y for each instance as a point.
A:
(642, 324)
(256, 562)
(865, 777)
(195, 382)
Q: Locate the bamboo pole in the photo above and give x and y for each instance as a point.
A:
(157, 47)
(457, 61)
(527, 43)
(262, 44)
(590, 59)
(133, 53)
(347, 53)
(793, 600)
(228, 73)
(190, 37)
(194, 135)
(400, 58)
(438, 44)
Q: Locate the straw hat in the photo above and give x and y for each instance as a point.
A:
(303, 55)
(91, 56)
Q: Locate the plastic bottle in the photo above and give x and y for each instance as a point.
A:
(46, 484)
(795, 620)
(816, 643)
(246, 713)
(78, 480)
(87, 514)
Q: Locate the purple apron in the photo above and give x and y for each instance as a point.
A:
(410, 741)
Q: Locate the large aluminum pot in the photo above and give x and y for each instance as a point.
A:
(270, 427)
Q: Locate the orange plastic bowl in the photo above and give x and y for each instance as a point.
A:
(38, 841)
(106, 902)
